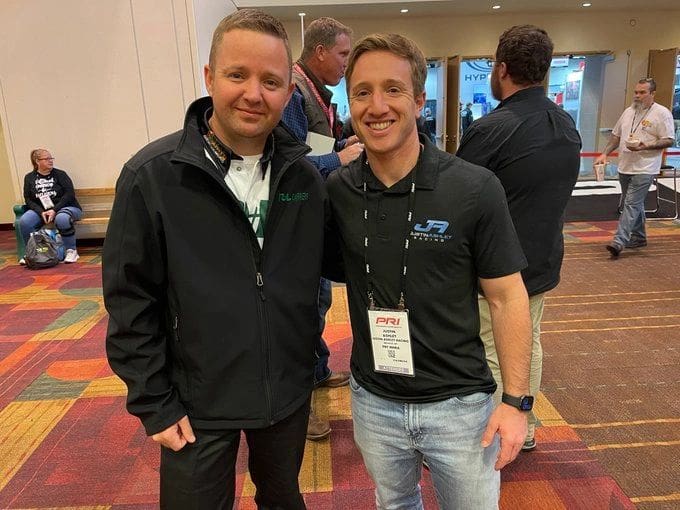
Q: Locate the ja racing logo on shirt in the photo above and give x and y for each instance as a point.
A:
(431, 230)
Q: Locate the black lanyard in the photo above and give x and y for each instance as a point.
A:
(633, 126)
(409, 221)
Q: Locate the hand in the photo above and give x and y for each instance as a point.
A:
(176, 436)
(640, 147)
(601, 159)
(349, 154)
(48, 216)
(511, 425)
(352, 140)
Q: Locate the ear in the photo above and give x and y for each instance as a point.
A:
(208, 77)
(319, 52)
(502, 70)
(420, 103)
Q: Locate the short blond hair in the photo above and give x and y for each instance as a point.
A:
(397, 45)
(255, 21)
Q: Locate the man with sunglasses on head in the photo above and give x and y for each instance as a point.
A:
(641, 134)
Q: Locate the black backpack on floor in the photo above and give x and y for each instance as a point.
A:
(43, 249)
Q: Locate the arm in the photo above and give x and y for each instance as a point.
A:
(511, 323)
(69, 194)
(333, 267)
(295, 119)
(134, 285)
(474, 148)
(612, 144)
(658, 145)
(665, 132)
(29, 195)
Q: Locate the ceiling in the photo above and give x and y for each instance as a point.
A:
(288, 9)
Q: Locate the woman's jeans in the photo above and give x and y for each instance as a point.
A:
(31, 221)
(395, 437)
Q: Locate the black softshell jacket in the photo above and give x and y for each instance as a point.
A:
(201, 320)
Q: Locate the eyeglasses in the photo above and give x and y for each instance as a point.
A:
(45, 159)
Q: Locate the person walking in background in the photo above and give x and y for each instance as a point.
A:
(211, 328)
(419, 230)
(641, 134)
(532, 146)
(50, 198)
(466, 118)
(322, 64)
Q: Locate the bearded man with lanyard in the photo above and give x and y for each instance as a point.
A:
(420, 230)
(641, 134)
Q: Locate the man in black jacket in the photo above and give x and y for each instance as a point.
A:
(533, 147)
(211, 328)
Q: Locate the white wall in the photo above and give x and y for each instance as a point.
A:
(208, 13)
(94, 81)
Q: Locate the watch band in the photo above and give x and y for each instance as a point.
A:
(523, 403)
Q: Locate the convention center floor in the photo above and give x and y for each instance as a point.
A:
(609, 406)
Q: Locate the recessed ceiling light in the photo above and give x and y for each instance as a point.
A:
(496, 7)
(404, 11)
(587, 4)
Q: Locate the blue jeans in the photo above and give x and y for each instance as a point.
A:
(321, 370)
(634, 189)
(395, 437)
(31, 221)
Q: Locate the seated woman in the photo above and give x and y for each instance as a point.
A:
(50, 198)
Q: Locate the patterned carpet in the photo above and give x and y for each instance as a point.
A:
(610, 408)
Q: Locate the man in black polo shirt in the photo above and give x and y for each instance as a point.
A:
(419, 231)
(533, 148)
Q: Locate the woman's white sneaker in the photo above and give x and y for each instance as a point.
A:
(71, 256)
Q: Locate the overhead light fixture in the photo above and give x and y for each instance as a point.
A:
(496, 7)
(587, 4)
(403, 11)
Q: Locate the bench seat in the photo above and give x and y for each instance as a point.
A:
(96, 204)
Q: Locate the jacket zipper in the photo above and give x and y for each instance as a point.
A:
(258, 263)
(264, 320)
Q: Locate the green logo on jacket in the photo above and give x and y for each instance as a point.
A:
(294, 197)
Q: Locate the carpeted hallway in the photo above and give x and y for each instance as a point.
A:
(610, 408)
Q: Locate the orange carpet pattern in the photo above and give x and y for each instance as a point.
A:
(67, 442)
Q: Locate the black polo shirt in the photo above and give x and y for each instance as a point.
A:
(461, 230)
(532, 146)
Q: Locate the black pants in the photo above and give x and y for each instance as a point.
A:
(203, 475)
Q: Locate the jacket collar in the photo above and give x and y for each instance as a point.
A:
(282, 147)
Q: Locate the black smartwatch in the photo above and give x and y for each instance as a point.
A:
(523, 403)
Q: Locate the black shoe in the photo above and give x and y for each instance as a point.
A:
(615, 249)
(529, 445)
(637, 243)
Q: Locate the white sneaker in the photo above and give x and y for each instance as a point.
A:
(22, 261)
(71, 256)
